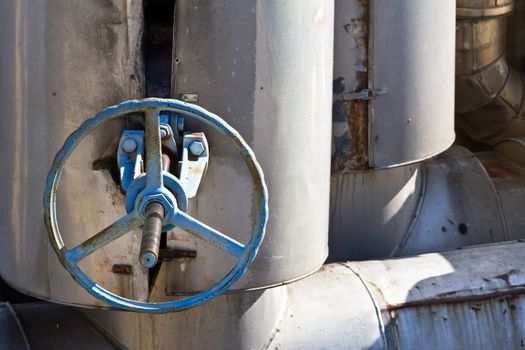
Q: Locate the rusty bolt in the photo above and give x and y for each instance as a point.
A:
(149, 247)
(129, 145)
(197, 148)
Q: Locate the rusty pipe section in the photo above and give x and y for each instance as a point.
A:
(489, 93)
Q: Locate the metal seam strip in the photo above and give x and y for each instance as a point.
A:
(415, 215)
(384, 322)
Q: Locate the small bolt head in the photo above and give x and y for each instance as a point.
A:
(197, 148)
(163, 133)
(148, 259)
(129, 145)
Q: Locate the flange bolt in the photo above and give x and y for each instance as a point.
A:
(197, 148)
(129, 145)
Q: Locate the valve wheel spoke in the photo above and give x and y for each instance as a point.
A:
(153, 149)
(208, 234)
(104, 237)
(152, 185)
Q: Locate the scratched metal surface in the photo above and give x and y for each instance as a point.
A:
(61, 62)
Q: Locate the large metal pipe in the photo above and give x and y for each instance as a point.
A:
(393, 82)
(489, 93)
(462, 299)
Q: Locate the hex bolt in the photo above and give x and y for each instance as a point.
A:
(197, 148)
(163, 133)
(149, 247)
(129, 145)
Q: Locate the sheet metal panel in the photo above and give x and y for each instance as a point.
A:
(266, 68)
(412, 61)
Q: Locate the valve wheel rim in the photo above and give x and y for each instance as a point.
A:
(187, 110)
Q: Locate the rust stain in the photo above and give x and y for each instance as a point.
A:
(506, 276)
(173, 236)
(498, 170)
(116, 197)
(355, 158)
(122, 269)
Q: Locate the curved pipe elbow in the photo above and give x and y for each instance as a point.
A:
(489, 93)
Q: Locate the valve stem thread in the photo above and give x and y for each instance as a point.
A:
(149, 246)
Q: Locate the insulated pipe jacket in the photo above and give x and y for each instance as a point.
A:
(489, 93)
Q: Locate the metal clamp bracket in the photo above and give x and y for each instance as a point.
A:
(130, 156)
(194, 162)
(365, 94)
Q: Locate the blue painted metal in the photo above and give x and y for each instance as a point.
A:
(130, 164)
(154, 183)
(170, 182)
(192, 168)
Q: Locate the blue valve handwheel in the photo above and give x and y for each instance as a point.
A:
(69, 258)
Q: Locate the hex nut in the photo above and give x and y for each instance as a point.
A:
(197, 148)
(129, 145)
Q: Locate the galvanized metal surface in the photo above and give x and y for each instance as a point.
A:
(155, 191)
(412, 59)
(60, 62)
(266, 68)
